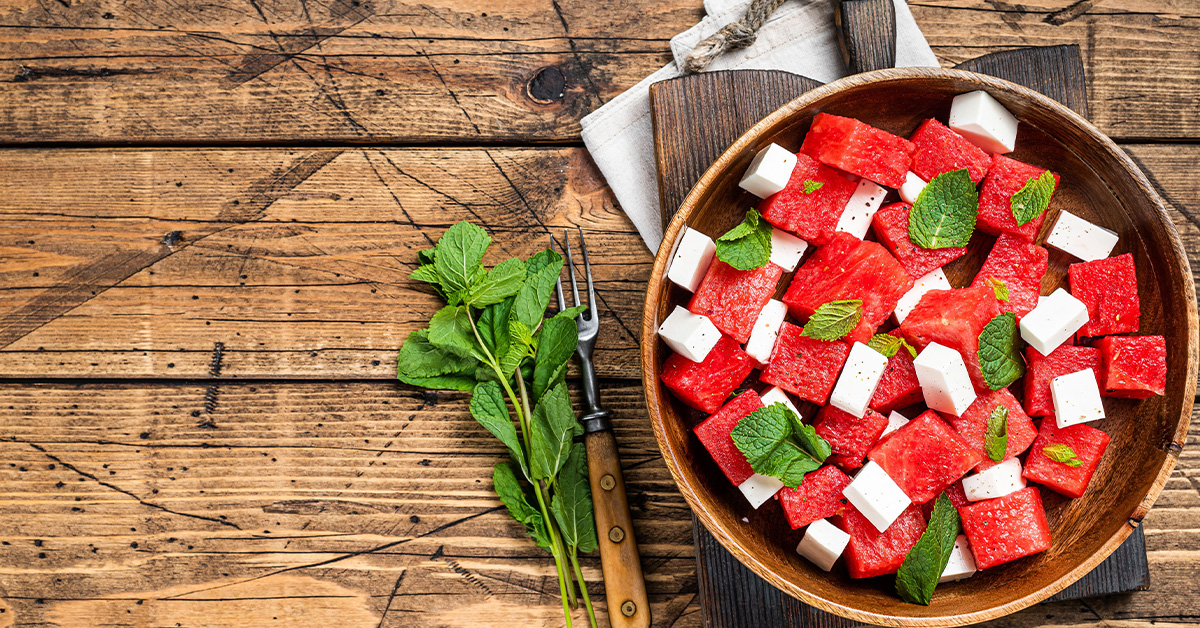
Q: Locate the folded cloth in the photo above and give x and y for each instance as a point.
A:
(800, 37)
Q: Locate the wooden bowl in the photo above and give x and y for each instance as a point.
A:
(1099, 183)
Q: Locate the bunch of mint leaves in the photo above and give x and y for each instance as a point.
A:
(493, 339)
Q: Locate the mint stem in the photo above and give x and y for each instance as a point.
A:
(587, 602)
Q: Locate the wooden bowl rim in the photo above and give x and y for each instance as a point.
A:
(688, 207)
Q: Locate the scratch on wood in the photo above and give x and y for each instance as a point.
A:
(210, 393)
(391, 596)
(320, 506)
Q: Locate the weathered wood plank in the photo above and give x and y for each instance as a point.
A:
(356, 70)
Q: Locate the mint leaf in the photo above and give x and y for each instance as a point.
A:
(748, 245)
(775, 443)
(833, 320)
(571, 504)
(540, 260)
(552, 428)
(501, 282)
(520, 341)
(1000, 352)
(1063, 454)
(995, 440)
(810, 441)
(556, 344)
(421, 358)
(459, 254)
(427, 256)
(811, 186)
(508, 488)
(493, 326)
(889, 345)
(999, 287)
(1031, 200)
(927, 559)
(450, 330)
(427, 273)
(489, 409)
(534, 295)
(944, 214)
(571, 312)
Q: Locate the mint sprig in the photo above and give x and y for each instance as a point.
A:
(889, 345)
(1000, 352)
(833, 320)
(995, 440)
(926, 561)
(1031, 200)
(748, 245)
(1063, 454)
(811, 186)
(943, 215)
(777, 444)
(999, 288)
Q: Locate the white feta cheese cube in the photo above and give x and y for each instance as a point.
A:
(911, 188)
(769, 172)
(1053, 321)
(786, 249)
(823, 544)
(895, 422)
(861, 208)
(935, 280)
(944, 380)
(984, 121)
(1078, 237)
(776, 395)
(876, 496)
(962, 562)
(1076, 398)
(759, 488)
(997, 481)
(690, 261)
(766, 330)
(689, 335)
(859, 379)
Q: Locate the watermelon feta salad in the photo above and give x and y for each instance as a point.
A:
(900, 421)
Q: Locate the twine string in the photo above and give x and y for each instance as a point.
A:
(732, 36)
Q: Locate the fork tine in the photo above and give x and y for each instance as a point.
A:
(591, 288)
(562, 302)
(571, 267)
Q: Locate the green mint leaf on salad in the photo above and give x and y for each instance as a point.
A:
(995, 440)
(999, 287)
(777, 444)
(833, 320)
(944, 214)
(889, 345)
(748, 245)
(811, 186)
(1030, 201)
(927, 559)
(1063, 454)
(1000, 352)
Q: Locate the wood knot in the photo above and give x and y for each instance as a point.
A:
(172, 238)
(547, 86)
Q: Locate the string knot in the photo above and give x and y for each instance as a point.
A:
(732, 36)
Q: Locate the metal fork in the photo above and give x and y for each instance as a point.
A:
(624, 585)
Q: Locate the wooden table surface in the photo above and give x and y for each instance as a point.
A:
(208, 212)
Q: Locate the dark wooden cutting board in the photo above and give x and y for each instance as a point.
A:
(695, 118)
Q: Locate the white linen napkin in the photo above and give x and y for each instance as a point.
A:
(800, 37)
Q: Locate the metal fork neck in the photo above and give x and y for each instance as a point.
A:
(597, 421)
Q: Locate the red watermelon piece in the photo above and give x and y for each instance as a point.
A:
(1041, 369)
(924, 457)
(1108, 287)
(899, 386)
(733, 298)
(818, 497)
(705, 385)
(939, 150)
(1006, 528)
(859, 148)
(849, 436)
(805, 367)
(1021, 266)
(1087, 442)
(972, 425)
(891, 227)
(1134, 367)
(813, 216)
(873, 553)
(956, 495)
(953, 318)
(1005, 177)
(716, 434)
(849, 268)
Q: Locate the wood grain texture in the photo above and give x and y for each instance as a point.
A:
(866, 34)
(1056, 71)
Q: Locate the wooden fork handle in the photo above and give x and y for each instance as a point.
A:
(624, 586)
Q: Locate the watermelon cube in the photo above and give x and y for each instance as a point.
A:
(812, 216)
(732, 298)
(891, 227)
(956, 494)
(1134, 367)
(716, 434)
(1087, 442)
(818, 496)
(953, 318)
(939, 150)
(925, 457)
(972, 425)
(1042, 369)
(1006, 528)
(805, 367)
(899, 387)
(1006, 177)
(873, 553)
(705, 385)
(1108, 287)
(859, 148)
(849, 436)
(849, 268)
(1021, 266)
